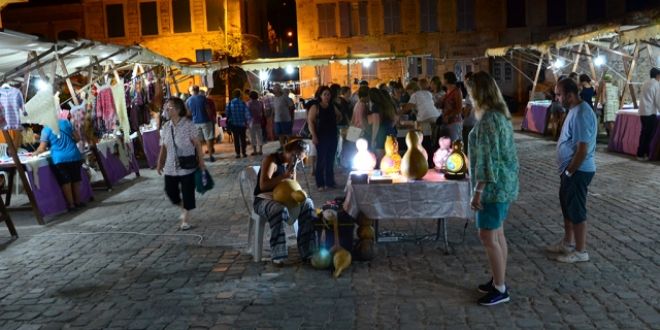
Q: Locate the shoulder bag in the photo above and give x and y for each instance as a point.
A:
(184, 162)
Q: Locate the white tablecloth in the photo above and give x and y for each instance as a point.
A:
(430, 198)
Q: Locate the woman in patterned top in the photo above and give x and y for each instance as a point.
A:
(179, 182)
(494, 175)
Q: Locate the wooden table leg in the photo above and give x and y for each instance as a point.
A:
(4, 216)
(10, 184)
(97, 155)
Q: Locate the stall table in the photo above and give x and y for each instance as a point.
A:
(299, 119)
(536, 117)
(433, 197)
(43, 182)
(114, 164)
(624, 137)
(151, 146)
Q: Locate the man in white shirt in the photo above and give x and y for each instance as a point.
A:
(649, 106)
(283, 111)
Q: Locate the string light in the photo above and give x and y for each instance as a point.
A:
(289, 70)
(599, 60)
(41, 85)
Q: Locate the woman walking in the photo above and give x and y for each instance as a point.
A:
(322, 121)
(494, 175)
(256, 109)
(180, 156)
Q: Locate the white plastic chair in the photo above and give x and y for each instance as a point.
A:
(248, 180)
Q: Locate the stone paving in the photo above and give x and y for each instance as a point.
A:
(107, 276)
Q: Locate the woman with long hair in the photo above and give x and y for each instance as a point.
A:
(381, 119)
(452, 106)
(494, 176)
(322, 122)
(179, 139)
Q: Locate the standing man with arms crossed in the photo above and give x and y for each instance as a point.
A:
(197, 106)
(282, 110)
(575, 158)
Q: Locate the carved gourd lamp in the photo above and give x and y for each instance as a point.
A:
(413, 164)
(456, 165)
(391, 162)
(441, 155)
(364, 160)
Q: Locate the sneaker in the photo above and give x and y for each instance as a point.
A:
(560, 247)
(642, 159)
(486, 287)
(494, 297)
(244, 155)
(574, 257)
(279, 262)
(238, 156)
(185, 226)
(254, 153)
(211, 159)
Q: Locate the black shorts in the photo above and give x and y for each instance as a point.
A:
(573, 196)
(68, 172)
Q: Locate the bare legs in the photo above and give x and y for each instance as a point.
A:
(497, 251)
(71, 193)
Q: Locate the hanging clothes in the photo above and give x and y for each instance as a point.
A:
(37, 109)
(106, 112)
(12, 104)
(120, 105)
(77, 113)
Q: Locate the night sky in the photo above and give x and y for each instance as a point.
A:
(282, 16)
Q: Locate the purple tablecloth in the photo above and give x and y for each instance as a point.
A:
(113, 166)
(150, 144)
(535, 117)
(298, 125)
(49, 197)
(625, 134)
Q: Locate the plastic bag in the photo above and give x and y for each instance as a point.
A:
(203, 181)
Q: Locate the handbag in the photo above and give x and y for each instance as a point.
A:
(203, 181)
(184, 162)
(354, 133)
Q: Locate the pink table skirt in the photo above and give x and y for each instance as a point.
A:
(625, 134)
(150, 144)
(49, 197)
(535, 118)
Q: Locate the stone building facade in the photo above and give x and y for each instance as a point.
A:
(430, 37)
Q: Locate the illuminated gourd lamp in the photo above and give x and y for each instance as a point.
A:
(440, 156)
(456, 165)
(363, 163)
(391, 162)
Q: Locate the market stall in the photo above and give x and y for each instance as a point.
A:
(624, 52)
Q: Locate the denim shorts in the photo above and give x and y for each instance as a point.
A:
(492, 215)
(573, 196)
(283, 128)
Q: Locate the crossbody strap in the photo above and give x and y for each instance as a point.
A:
(176, 152)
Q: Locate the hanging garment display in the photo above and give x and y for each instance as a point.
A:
(12, 104)
(120, 106)
(77, 113)
(42, 109)
(106, 112)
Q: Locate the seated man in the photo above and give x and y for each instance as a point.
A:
(275, 168)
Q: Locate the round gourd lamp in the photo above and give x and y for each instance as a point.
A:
(363, 160)
(456, 165)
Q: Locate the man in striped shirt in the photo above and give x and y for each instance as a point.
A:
(238, 118)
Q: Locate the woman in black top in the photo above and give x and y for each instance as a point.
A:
(322, 121)
(275, 168)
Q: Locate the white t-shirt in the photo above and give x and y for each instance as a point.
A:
(649, 103)
(423, 101)
(281, 105)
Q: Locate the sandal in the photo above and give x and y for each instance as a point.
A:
(185, 226)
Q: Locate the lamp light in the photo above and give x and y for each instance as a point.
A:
(363, 160)
(456, 165)
(599, 60)
(263, 75)
(367, 62)
(41, 85)
(289, 69)
(559, 63)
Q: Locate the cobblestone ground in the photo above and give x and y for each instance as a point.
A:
(54, 278)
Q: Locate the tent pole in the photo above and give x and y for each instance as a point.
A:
(69, 85)
(629, 72)
(590, 58)
(538, 72)
(615, 52)
(23, 176)
(577, 58)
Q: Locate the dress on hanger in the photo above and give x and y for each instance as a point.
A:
(12, 104)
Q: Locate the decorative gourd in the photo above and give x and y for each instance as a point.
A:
(420, 136)
(366, 232)
(341, 259)
(440, 156)
(289, 193)
(391, 162)
(413, 164)
(365, 249)
(456, 167)
(321, 259)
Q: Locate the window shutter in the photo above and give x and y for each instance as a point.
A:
(344, 19)
(362, 13)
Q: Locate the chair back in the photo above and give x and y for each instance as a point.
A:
(248, 180)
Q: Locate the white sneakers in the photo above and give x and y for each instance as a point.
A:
(569, 254)
(560, 247)
(574, 257)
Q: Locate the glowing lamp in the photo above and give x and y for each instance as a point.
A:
(263, 75)
(391, 162)
(41, 85)
(289, 70)
(367, 62)
(363, 160)
(559, 63)
(441, 155)
(456, 164)
(599, 60)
